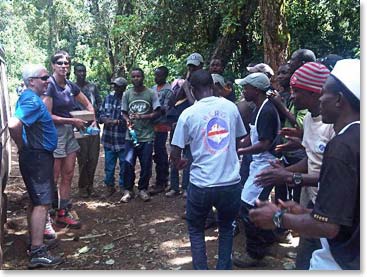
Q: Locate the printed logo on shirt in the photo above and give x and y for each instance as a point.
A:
(320, 147)
(139, 106)
(217, 133)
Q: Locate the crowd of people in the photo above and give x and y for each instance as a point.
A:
(282, 159)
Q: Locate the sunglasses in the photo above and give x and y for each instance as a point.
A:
(62, 63)
(43, 78)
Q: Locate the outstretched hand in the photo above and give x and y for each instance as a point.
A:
(292, 207)
(291, 132)
(293, 143)
(262, 215)
(274, 175)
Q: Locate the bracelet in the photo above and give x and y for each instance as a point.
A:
(277, 218)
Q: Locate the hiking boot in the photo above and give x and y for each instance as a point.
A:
(109, 191)
(144, 195)
(41, 257)
(245, 261)
(65, 218)
(126, 196)
(172, 193)
(156, 189)
(50, 244)
(49, 232)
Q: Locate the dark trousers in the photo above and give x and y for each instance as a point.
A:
(226, 199)
(160, 158)
(144, 153)
(87, 161)
(257, 240)
(305, 249)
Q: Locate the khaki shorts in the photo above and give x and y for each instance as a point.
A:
(66, 141)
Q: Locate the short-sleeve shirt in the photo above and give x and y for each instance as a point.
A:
(267, 122)
(39, 131)
(338, 199)
(211, 127)
(63, 101)
(164, 94)
(316, 135)
(144, 102)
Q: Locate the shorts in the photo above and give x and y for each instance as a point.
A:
(66, 141)
(37, 169)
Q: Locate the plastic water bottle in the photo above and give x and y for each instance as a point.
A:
(93, 131)
(133, 136)
(90, 131)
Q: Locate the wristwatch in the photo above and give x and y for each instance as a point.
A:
(277, 218)
(297, 178)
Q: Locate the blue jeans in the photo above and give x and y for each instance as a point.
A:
(110, 165)
(174, 173)
(161, 158)
(226, 199)
(144, 152)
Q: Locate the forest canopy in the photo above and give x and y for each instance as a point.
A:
(111, 37)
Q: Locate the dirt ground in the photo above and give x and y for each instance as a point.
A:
(119, 236)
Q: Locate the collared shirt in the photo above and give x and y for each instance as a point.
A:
(39, 131)
(113, 136)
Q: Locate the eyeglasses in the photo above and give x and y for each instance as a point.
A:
(43, 78)
(62, 63)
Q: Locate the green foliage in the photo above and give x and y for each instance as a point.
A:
(112, 36)
(327, 26)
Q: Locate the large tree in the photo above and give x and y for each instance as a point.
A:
(275, 32)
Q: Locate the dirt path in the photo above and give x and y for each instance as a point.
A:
(133, 236)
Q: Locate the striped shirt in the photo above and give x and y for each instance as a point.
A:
(113, 136)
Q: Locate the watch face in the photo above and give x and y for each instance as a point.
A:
(297, 179)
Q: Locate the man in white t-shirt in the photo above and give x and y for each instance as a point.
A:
(306, 84)
(335, 217)
(211, 127)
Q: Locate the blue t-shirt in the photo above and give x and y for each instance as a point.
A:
(39, 131)
(63, 101)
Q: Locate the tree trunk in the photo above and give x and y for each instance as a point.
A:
(227, 44)
(275, 32)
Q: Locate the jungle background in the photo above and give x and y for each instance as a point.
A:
(112, 36)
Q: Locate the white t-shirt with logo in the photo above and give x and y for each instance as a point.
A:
(316, 135)
(211, 127)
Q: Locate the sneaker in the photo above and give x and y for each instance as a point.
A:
(41, 257)
(126, 196)
(50, 244)
(65, 218)
(245, 261)
(49, 232)
(156, 189)
(144, 195)
(172, 193)
(109, 191)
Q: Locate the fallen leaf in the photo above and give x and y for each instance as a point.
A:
(84, 250)
(110, 262)
(108, 247)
